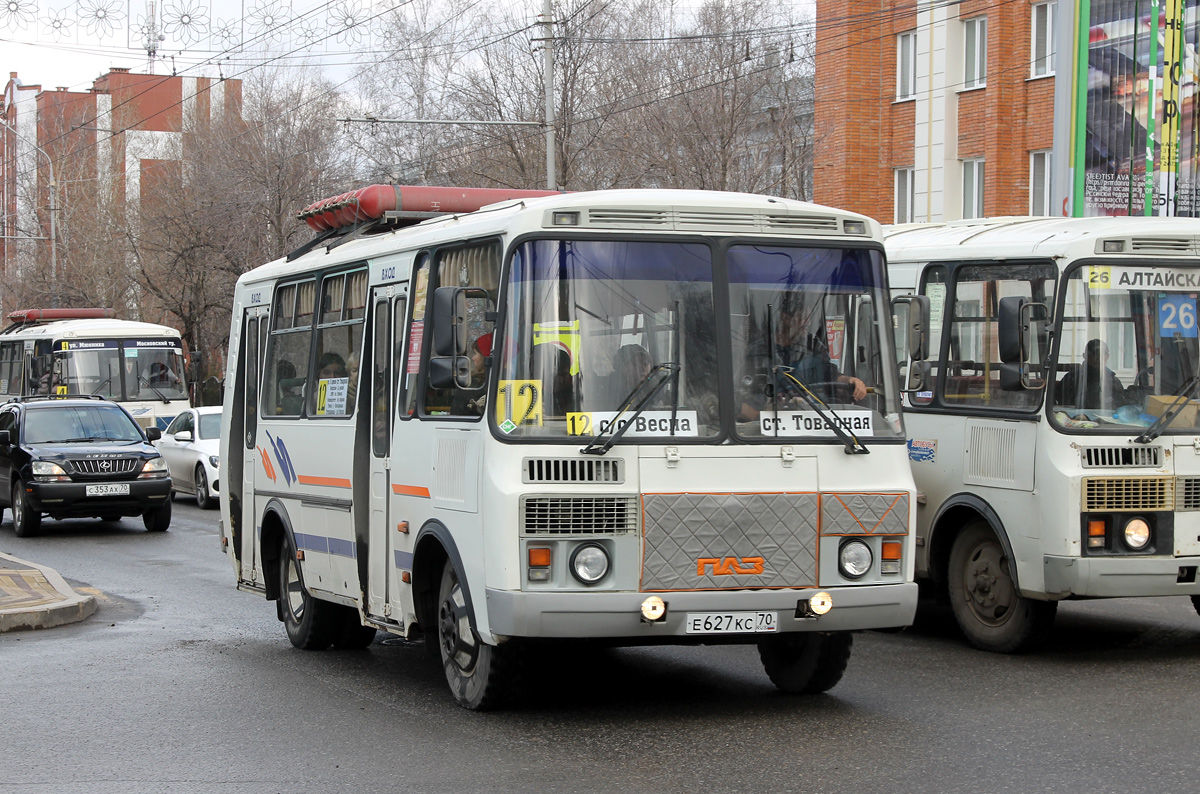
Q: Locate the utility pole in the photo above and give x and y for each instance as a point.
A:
(53, 202)
(547, 24)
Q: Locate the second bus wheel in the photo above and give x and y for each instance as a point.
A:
(805, 663)
(480, 676)
(992, 614)
(311, 623)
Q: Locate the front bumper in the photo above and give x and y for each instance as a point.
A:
(1121, 576)
(70, 499)
(618, 615)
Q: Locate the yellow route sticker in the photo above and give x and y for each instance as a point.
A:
(1099, 276)
(519, 403)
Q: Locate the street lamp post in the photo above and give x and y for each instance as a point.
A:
(53, 201)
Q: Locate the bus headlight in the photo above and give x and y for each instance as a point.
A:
(589, 563)
(854, 559)
(1137, 533)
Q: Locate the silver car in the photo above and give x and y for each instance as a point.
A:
(191, 445)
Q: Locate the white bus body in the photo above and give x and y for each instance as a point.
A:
(73, 351)
(372, 500)
(1029, 498)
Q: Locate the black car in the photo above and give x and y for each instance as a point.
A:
(75, 457)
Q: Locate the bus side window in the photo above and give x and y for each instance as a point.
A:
(339, 344)
(286, 366)
(416, 333)
(933, 285)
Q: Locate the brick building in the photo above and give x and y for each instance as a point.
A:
(935, 111)
(110, 146)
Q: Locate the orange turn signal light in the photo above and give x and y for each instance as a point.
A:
(539, 558)
(891, 549)
(1096, 528)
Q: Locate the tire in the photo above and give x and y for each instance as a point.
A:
(1196, 604)
(204, 499)
(992, 614)
(805, 663)
(111, 519)
(311, 623)
(25, 520)
(352, 635)
(158, 519)
(481, 676)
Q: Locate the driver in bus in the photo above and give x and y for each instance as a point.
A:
(1100, 387)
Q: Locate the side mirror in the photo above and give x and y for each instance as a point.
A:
(183, 436)
(453, 309)
(1016, 321)
(450, 372)
(153, 433)
(913, 323)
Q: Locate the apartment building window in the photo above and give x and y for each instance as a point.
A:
(972, 185)
(905, 196)
(1044, 23)
(906, 65)
(1040, 164)
(975, 49)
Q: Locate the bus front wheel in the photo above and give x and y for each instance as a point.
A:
(480, 676)
(806, 663)
(310, 622)
(992, 614)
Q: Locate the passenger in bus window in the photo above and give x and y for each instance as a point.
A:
(331, 365)
(291, 389)
(1098, 388)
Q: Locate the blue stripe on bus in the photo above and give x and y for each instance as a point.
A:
(342, 548)
(312, 542)
(404, 560)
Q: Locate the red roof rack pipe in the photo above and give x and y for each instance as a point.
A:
(47, 315)
(372, 202)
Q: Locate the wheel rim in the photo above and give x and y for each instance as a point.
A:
(988, 586)
(201, 486)
(18, 506)
(458, 640)
(294, 590)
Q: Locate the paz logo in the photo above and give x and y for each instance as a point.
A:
(563, 335)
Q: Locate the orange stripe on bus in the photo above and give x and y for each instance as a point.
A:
(410, 490)
(333, 482)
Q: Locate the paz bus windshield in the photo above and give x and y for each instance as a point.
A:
(1127, 351)
(124, 370)
(604, 333)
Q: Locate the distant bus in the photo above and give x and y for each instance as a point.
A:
(86, 351)
(563, 417)
(1054, 433)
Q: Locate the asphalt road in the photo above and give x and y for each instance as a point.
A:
(182, 684)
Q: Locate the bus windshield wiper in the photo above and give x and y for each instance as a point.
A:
(1182, 398)
(106, 381)
(161, 396)
(666, 369)
(853, 445)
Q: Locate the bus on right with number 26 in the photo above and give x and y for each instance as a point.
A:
(1054, 426)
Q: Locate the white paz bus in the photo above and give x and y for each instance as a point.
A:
(1053, 433)
(85, 351)
(564, 416)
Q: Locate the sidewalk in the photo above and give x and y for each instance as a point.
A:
(35, 597)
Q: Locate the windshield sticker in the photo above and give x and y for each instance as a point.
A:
(1177, 316)
(811, 423)
(563, 335)
(1171, 279)
(519, 402)
(331, 396)
(922, 451)
(88, 345)
(647, 423)
(416, 334)
(936, 292)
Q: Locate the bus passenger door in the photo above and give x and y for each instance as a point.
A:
(387, 304)
(252, 468)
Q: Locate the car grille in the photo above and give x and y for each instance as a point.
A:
(105, 467)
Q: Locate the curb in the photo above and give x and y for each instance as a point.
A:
(53, 602)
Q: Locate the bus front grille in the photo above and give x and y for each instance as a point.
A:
(1126, 494)
(568, 470)
(1187, 493)
(1121, 457)
(579, 515)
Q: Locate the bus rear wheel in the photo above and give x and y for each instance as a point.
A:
(992, 614)
(311, 623)
(481, 676)
(805, 663)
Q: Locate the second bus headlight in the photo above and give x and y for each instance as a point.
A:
(589, 563)
(854, 559)
(1137, 533)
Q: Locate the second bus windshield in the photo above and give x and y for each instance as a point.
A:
(122, 370)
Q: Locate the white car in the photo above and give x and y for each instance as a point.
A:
(191, 445)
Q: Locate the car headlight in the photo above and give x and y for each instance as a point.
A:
(154, 468)
(46, 471)
(214, 461)
(854, 559)
(1137, 533)
(589, 563)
